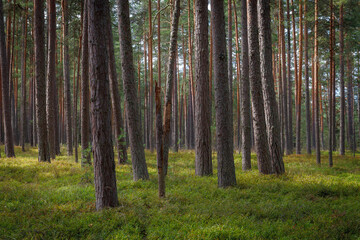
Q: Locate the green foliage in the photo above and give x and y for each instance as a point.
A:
(57, 201)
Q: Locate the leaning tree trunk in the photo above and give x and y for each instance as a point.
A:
(104, 165)
(115, 99)
(245, 92)
(225, 157)
(259, 122)
(170, 82)
(39, 41)
(51, 79)
(271, 110)
(9, 142)
(137, 149)
(203, 162)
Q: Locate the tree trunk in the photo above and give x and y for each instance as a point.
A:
(342, 85)
(66, 72)
(85, 113)
(203, 162)
(285, 81)
(104, 165)
(230, 69)
(245, 92)
(24, 120)
(271, 110)
(9, 142)
(350, 100)
(259, 123)
(290, 93)
(151, 91)
(169, 82)
(307, 92)
(298, 80)
(317, 85)
(115, 99)
(132, 113)
(40, 81)
(225, 157)
(331, 88)
(51, 79)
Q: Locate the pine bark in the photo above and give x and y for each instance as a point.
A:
(24, 120)
(245, 92)
(170, 82)
(316, 79)
(259, 122)
(342, 85)
(225, 157)
(115, 99)
(9, 142)
(40, 81)
(51, 79)
(290, 93)
(104, 165)
(203, 161)
(66, 72)
(85, 113)
(307, 91)
(271, 109)
(132, 113)
(299, 80)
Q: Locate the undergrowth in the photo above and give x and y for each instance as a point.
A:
(57, 201)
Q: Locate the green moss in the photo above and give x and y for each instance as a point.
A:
(57, 201)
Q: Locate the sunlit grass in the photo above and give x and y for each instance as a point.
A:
(57, 201)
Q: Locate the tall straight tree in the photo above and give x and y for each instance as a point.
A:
(245, 92)
(299, 81)
(230, 66)
(203, 162)
(290, 93)
(39, 41)
(342, 85)
(85, 113)
(128, 75)
(9, 142)
(115, 99)
(259, 122)
(307, 91)
(151, 87)
(225, 157)
(331, 88)
(271, 110)
(24, 120)
(66, 76)
(317, 93)
(350, 100)
(284, 79)
(104, 165)
(51, 79)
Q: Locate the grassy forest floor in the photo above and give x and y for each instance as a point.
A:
(57, 201)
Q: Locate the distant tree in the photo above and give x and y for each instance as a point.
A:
(24, 120)
(226, 168)
(342, 85)
(104, 165)
(132, 113)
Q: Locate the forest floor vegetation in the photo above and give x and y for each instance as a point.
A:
(57, 201)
